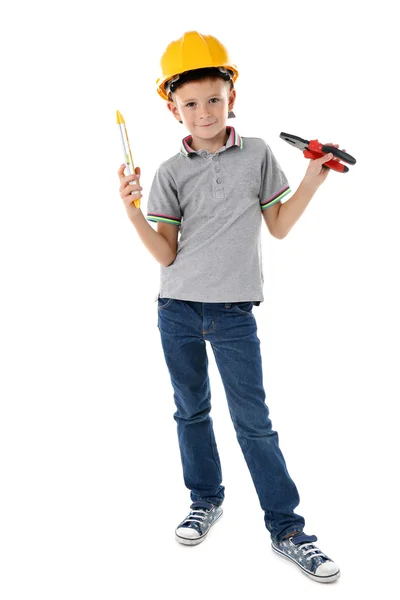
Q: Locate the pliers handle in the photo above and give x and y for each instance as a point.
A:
(314, 149)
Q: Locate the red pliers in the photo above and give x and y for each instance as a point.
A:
(314, 149)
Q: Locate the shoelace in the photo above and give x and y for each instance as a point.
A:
(311, 549)
(197, 518)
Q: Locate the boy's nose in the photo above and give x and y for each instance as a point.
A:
(205, 112)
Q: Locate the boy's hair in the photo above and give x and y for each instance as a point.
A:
(230, 85)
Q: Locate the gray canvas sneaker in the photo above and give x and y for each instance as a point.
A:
(198, 523)
(301, 550)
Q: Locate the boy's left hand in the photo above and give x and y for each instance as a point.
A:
(316, 173)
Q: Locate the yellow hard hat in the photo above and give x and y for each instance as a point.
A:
(193, 51)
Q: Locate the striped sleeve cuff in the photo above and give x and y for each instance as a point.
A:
(157, 217)
(276, 197)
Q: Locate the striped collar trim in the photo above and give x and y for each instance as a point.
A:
(234, 139)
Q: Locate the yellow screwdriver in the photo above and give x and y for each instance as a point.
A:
(130, 167)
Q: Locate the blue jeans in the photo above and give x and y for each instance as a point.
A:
(231, 330)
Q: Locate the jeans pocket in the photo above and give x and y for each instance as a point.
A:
(164, 302)
(244, 308)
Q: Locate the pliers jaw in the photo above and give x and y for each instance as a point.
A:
(295, 141)
(314, 149)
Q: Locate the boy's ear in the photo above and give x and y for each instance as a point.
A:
(172, 107)
(231, 98)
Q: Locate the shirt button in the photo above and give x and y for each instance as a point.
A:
(217, 169)
(218, 181)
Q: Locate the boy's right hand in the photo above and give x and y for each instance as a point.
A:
(126, 189)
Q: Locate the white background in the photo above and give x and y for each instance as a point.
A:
(91, 479)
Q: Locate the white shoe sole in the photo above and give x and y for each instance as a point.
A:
(198, 540)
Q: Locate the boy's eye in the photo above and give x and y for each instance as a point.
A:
(189, 103)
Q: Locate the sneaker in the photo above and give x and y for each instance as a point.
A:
(314, 563)
(197, 524)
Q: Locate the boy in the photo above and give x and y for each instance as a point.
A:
(214, 190)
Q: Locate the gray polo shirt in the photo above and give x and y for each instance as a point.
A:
(216, 201)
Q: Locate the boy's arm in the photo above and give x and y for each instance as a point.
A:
(164, 209)
(154, 241)
(280, 218)
(270, 215)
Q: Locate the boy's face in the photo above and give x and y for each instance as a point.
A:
(201, 103)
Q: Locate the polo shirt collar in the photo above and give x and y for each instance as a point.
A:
(234, 139)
